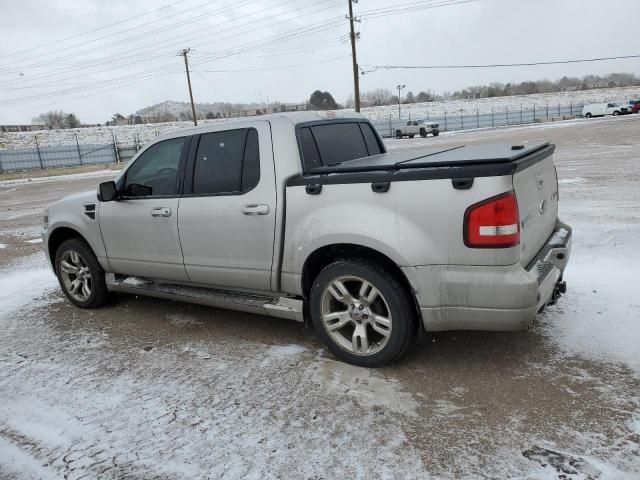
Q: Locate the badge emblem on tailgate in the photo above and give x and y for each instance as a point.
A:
(542, 207)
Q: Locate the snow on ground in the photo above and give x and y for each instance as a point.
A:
(128, 135)
(57, 178)
(23, 286)
(150, 389)
(500, 104)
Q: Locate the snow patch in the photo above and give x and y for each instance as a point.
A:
(366, 387)
(34, 240)
(182, 320)
(2, 246)
(282, 351)
(20, 287)
(20, 463)
(568, 181)
(598, 317)
(57, 178)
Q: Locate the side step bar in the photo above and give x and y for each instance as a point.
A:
(281, 307)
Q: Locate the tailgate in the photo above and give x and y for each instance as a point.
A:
(536, 188)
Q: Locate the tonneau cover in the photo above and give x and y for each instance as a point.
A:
(434, 157)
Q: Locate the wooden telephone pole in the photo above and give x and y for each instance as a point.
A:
(184, 53)
(356, 80)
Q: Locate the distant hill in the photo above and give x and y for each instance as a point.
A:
(171, 110)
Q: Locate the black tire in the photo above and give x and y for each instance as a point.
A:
(411, 136)
(436, 133)
(588, 115)
(398, 134)
(616, 113)
(401, 309)
(99, 292)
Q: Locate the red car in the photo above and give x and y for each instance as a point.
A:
(636, 107)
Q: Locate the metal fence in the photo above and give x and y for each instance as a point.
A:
(83, 154)
(53, 157)
(465, 119)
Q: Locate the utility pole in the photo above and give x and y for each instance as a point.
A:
(356, 80)
(184, 53)
(399, 87)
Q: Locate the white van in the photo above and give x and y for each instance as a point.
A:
(598, 109)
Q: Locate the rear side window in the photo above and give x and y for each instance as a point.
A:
(227, 162)
(370, 139)
(309, 149)
(334, 143)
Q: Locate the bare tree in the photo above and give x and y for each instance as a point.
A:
(377, 97)
(52, 118)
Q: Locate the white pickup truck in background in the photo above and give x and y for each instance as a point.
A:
(418, 127)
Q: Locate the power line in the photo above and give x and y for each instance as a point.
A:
(279, 67)
(496, 65)
(55, 42)
(141, 55)
(121, 41)
(222, 54)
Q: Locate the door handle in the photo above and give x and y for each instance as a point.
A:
(255, 209)
(161, 212)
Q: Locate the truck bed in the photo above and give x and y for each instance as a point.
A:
(462, 161)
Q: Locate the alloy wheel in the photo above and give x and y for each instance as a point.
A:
(75, 275)
(356, 315)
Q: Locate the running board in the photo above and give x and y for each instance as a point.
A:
(281, 307)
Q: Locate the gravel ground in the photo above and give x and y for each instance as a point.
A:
(146, 388)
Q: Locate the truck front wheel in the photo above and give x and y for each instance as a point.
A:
(362, 313)
(79, 274)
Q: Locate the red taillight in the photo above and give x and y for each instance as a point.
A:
(493, 223)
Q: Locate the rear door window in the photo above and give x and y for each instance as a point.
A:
(227, 162)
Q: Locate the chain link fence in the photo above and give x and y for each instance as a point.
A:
(452, 120)
(92, 154)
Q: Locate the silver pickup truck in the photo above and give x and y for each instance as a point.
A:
(309, 218)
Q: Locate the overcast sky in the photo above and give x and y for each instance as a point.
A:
(69, 55)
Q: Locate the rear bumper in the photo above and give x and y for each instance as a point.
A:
(502, 298)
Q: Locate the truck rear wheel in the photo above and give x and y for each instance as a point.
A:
(80, 275)
(588, 115)
(363, 314)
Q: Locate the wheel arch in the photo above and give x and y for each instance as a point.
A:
(57, 237)
(323, 256)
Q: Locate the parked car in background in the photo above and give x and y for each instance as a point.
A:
(418, 127)
(635, 108)
(601, 109)
(299, 216)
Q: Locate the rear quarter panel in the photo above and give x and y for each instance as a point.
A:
(414, 223)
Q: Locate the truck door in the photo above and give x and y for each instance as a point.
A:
(227, 213)
(140, 230)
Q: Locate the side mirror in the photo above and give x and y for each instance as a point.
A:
(107, 191)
